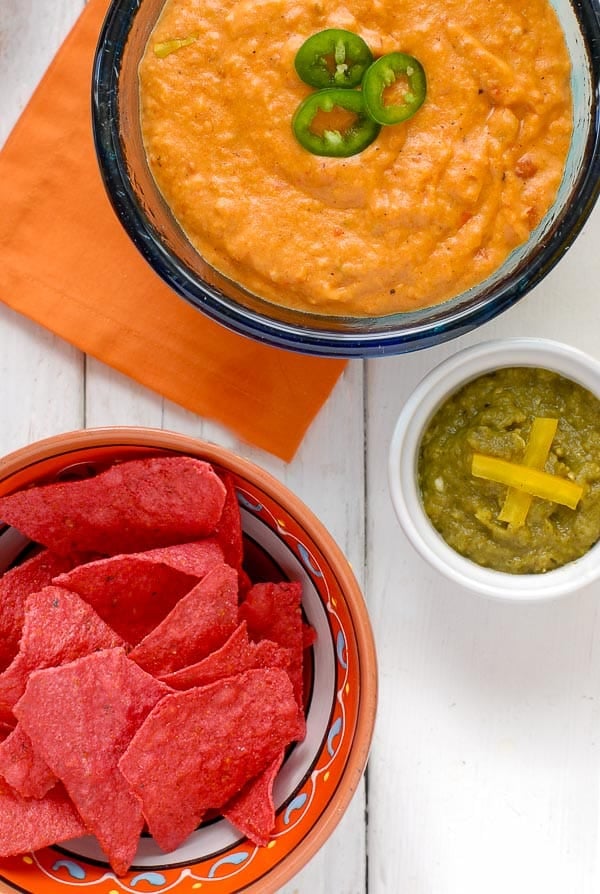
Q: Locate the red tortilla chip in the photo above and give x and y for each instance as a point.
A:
(95, 704)
(273, 612)
(133, 506)
(15, 586)
(259, 565)
(236, 655)
(229, 529)
(23, 768)
(198, 748)
(59, 627)
(198, 624)
(309, 636)
(133, 593)
(28, 824)
(244, 582)
(252, 812)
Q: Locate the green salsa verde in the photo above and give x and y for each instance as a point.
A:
(493, 415)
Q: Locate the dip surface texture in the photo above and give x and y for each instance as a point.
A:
(431, 207)
(492, 415)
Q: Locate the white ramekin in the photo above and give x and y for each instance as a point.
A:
(440, 383)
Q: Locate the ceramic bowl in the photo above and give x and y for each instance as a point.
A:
(320, 774)
(444, 380)
(147, 220)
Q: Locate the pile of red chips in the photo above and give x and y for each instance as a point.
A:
(146, 681)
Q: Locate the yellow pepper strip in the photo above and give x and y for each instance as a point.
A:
(532, 481)
(171, 46)
(517, 502)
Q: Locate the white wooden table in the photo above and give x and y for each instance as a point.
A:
(484, 774)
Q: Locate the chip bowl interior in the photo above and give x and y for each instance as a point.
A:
(283, 540)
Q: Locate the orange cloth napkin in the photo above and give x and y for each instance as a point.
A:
(68, 264)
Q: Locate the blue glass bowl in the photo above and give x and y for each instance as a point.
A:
(148, 221)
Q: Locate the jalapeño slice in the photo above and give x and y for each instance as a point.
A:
(334, 122)
(333, 58)
(410, 90)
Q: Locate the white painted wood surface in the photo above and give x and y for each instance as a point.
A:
(484, 772)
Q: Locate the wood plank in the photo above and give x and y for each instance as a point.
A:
(42, 376)
(114, 399)
(485, 762)
(31, 34)
(50, 387)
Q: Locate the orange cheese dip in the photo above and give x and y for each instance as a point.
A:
(429, 209)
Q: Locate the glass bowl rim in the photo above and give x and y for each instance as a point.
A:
(312, 334)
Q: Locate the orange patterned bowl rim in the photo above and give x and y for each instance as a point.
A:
(320, 779)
